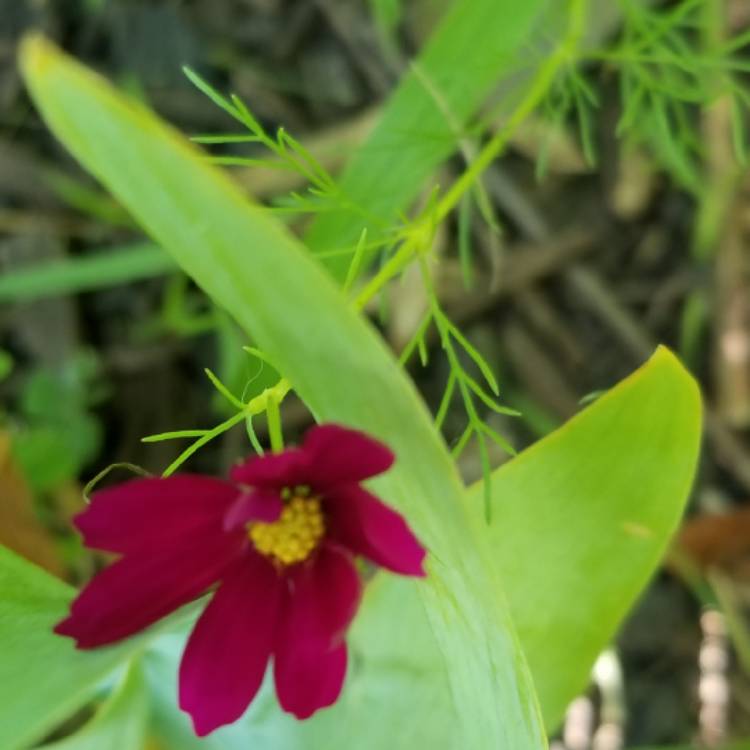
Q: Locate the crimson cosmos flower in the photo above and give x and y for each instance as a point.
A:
(279, 540)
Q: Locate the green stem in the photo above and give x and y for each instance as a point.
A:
(257, 447)
(206, 438)
(274, 424)
(538, 90)
(393, 266)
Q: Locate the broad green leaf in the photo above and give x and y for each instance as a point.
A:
(120, 724)
(581, 520)
(474, 46)
(42, 677)
(82, 274)
(252, 266)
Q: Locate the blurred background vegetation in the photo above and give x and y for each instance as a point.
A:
(618, 218)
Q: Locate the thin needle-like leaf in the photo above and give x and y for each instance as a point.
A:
(223, 390)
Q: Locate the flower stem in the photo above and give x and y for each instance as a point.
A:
(274, 424)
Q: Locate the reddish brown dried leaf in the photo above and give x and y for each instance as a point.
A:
(20, 529)
(720, 541)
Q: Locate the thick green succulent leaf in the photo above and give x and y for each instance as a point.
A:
(42, 677)
(253, 267)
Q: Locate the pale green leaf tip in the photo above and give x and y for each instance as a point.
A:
(35, 53)
(666, 360)
(665, 357)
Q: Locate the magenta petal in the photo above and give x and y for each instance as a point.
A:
(324, 596)
(226, 655)
(309, 679)
(274, 470)
(309, 654)
(256, 505)
(144, 514)
(368, 527)
(341, 455)
(140, 589)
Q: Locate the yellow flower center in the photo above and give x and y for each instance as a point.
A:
(294, 537)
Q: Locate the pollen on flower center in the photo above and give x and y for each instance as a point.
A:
(296, 534)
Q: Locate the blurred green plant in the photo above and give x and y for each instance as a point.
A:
(387, 13)
(54, 433)
(311, 334)
(588, 496)
(88, 200)
(98, 270)
(667, 71)
(6, 364)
